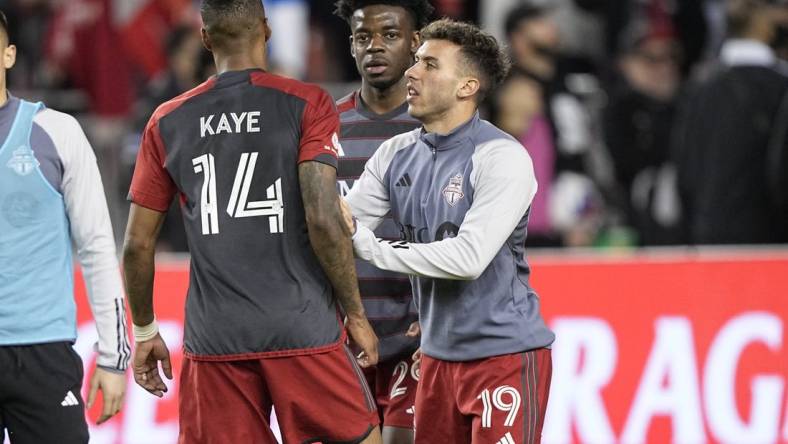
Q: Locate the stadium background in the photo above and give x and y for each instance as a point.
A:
(659, 339)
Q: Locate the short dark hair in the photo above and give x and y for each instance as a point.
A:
(480, 49)
(420, 10)
(228, 21)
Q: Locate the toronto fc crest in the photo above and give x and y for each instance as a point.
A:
(453, 191)
(23, 161)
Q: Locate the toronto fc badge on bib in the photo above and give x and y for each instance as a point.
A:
(453, 191)
(23, 161)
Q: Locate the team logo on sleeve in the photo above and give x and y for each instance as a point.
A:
(23, 161)
(335, 147)
(453, 191)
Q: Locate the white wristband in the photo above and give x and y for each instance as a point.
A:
(145, 332)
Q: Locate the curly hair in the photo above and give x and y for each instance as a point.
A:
(420, 10)
(481, 51)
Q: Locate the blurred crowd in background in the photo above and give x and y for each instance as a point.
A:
(649, 122)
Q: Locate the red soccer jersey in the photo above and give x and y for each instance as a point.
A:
(231, 149)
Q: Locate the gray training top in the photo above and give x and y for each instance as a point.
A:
(461, 201)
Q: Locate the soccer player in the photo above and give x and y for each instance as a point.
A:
(50, 196)
(252, 157)
(485, 369)
(384, 38)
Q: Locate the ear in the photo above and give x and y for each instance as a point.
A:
(469, 87)
(352, 47)
(415, 42)
(267, 29)
(9, 56)
(206, 41)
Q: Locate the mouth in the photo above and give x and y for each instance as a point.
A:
(376, 66)
(412, 92)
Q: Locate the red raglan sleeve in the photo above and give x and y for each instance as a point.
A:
(319, 131)
(152, 186)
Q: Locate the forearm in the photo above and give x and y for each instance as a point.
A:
(335, 253)
(504, 187)
(138, 268)
(328, 235)
(453, 259)
(91, 231)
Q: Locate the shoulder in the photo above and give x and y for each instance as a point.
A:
(391, 147)
(308, 92)
(495, 146)
(347, 103)
(400, 142)
(57, 124)
(63, 132)
(171, 105)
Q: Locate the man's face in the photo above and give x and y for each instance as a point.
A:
(435, 80)
(382, 41)
(537, 36)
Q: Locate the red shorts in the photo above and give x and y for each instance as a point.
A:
(497, 400)
(394, 384)
(320, 397)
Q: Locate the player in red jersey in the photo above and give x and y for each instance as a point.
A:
(384, 37)
(252, 157)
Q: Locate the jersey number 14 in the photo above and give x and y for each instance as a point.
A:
(239, 205)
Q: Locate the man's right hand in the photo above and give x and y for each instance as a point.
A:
(361, 334)
(417, 361)
(347, 216)
(147, 355)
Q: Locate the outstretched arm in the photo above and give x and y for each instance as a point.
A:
(504, 186)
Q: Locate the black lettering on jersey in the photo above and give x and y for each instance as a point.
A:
(396, 244)
(446, 230)
(410, 233)
(230, 123)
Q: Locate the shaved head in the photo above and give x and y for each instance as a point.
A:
(229, 24)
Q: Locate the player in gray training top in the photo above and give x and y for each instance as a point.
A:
(384, 38)
(50, 196)
(485, 371)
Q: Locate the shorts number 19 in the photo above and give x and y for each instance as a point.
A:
(497, 401)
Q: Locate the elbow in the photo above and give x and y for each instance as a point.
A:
(472, 273)
(134, 248)
(474, 266)
(323, 227)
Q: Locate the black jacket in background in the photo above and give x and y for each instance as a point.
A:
(722, 146)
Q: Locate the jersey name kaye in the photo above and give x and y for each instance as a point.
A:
(230, 123)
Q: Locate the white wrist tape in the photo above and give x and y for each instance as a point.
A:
(145, 332)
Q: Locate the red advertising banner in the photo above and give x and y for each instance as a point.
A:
(668, 347)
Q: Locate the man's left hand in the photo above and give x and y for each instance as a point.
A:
(113, 389)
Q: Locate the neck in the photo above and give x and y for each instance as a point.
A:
(3, 95)
(382, 101)
(239, 61)
(451, 119)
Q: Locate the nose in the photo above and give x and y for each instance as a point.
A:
(410, 73)
(375, 43)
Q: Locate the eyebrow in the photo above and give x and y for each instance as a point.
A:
(427, 58)
(385, 28)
